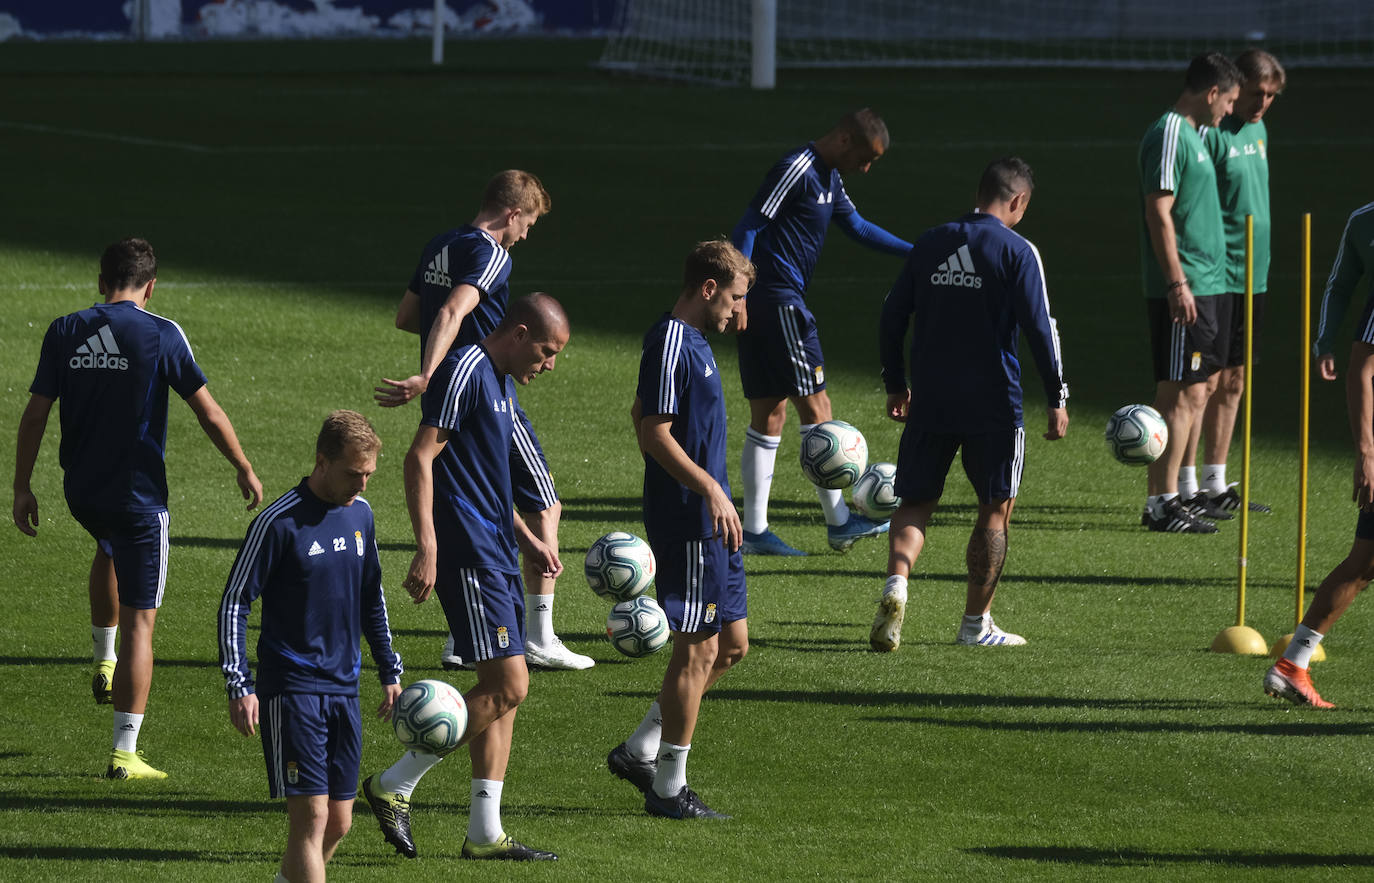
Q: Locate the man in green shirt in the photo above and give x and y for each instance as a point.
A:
(1289, 678)
(1182, 249)
(1239, 147)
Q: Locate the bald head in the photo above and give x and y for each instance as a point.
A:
(538, 312)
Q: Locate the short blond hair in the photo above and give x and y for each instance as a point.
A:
(1256, 65)
(514, 188)
(342, 429)
(715, 259)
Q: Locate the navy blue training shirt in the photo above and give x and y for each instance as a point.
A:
(315, 567)
(678, 376)
(109, 367)
(966, 289)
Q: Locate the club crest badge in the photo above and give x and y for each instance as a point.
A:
(502, 637)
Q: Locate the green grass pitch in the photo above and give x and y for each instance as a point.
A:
(288, 190)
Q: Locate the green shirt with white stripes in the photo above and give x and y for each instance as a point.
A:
(1172, 158)
(1354, 258)
(1240, 154)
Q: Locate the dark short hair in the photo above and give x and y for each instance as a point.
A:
(715, 259)
(539, 312)
(128, 263)
(865, 126)
(1256, 65)
(344, 428)
(1003, 179)
(1212, 69)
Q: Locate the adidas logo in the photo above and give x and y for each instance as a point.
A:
(1235, 152)
(100, 351)
(709, 371)
(128, 727)
(825, 198)
(483, 794)
(316, 549)
(957, 270)
(437, 271)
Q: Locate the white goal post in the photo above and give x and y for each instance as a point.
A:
(746, 41)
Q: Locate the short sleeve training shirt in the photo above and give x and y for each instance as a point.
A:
(109, 367)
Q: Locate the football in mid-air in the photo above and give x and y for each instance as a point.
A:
(430, 717)
(637, 627)
(1137, 435)
(833, 454)
(619, 566)
(875, 493)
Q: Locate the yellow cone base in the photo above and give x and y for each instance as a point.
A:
(1282, 644)
(1241, 640)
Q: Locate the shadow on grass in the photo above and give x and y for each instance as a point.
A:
(965, 700)
(1083, 855)
(133, 854)
(808, 645)
(151, 803)
(838, 572)
(85, 661)
(1276, 729)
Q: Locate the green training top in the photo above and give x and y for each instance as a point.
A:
(1240, 154)
(1172, 158)
(1354, 258)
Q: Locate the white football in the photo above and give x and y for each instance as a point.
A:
(833, 454)
(619, 566)
(430, 717)
(1137, 435)
(875, 493)
(637, 627)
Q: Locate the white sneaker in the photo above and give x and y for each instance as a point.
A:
(886, 634)
(451, 661)
(555, 655)
(987, 634)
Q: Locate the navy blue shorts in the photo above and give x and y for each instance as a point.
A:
(313, 744)
(780, 353)
(485, 610)
(1364, 527)
(137, 543)
(993, 462)
(1189, 353)
(531, 482)
(700, 584)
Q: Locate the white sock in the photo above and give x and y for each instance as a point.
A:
(1155, 504)
(1303, 645)
(403, 775)
(484, 819)
(126, 727)
(1214, 478)
(539, 619)
(832, 502)
(643, 743)
(974, 623)
(895, 585)
(672, 769)
(756, 476)
(103, 642)
(1187, 482)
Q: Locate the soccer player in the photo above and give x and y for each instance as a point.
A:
(1289, 677)
(312, 558)
(111, 365)
(1183, 247)
(458, 491)
(457, 297)
(967, 288)
(780, 356)
(1354, 259)
(1239, 148)
(693, 528)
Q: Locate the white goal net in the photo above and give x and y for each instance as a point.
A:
(714, 40)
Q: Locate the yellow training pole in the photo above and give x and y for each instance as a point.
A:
(1305, 356)
(1240, 638)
